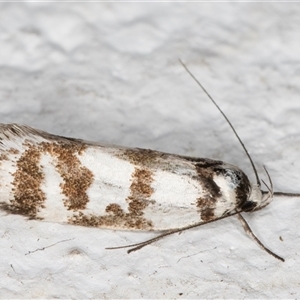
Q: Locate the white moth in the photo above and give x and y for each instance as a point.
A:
(59, 179)
(66, 180)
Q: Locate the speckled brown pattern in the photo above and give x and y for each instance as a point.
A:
(3, 157)
(141, 157)
(115, 218)
(77, 179)
(206, 204)
(28, 196)
(138, 200)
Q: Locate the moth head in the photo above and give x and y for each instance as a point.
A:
(258, 199)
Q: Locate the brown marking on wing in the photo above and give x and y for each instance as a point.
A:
(28, 196)
(141, 157)
(204, 162)
(207, 203)
(3, 156)
(243, 190)
(153, 160)
(141, 183)
(77, 179)
(13, 151)
(115, 209)
(116, 217)
(140, 191)
(206, 208)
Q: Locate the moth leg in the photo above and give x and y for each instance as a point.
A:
(251, 234)
(138, 246)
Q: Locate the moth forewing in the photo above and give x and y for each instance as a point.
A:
(58, 179)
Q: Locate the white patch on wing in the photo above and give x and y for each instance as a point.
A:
(54, 209)
(112, 179)
(175, 201)
(228, 189)
(7, 169)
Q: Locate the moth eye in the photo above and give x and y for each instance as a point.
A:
(249, 206)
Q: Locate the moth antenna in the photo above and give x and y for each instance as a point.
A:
(270, 180)
(284, 194)
(278, 193)
(270, 189)
(139, 246)
(227, 120)
(269, 195)
(251, 234)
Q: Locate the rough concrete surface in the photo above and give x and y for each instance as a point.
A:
(109, 72)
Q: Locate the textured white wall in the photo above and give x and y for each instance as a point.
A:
(109, 72)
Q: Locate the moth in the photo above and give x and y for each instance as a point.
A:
(66, 180)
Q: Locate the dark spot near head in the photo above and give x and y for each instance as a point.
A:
(243, 191)
(206, 204)
(249, 206)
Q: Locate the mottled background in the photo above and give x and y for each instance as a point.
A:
(109, 72)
